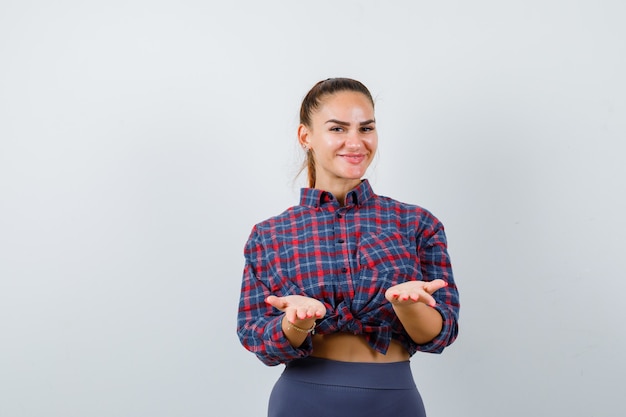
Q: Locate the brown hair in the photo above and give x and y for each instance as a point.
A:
(312, 102)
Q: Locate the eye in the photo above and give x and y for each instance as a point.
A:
(336, 129)
(366, 129)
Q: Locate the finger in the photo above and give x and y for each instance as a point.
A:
(306, 313)
(276, 302)
(397, 297)
(391, 295)
(291, 314)
(320, 312)
(416, 296)
(429, 299)
(424, 297)
(302, 313)
(435, 285)
(400, 296)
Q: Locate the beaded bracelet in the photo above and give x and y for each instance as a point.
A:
(300, 329)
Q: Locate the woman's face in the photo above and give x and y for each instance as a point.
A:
(343, 139)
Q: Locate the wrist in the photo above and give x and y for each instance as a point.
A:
(305, 326)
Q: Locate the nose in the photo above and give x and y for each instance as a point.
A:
(353, 141)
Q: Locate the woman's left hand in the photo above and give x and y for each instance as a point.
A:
(411, 292)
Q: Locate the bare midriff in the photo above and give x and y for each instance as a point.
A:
(348, 347)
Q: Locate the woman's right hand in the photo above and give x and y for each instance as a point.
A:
(298, 307)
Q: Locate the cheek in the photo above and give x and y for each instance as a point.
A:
(328, 144)
(372, 144)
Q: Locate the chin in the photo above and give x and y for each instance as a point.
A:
(354, 175)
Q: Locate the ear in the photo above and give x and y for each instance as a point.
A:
(303, 136)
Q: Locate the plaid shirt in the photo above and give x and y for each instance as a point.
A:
(346, 257)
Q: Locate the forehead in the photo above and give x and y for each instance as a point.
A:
(347, 103)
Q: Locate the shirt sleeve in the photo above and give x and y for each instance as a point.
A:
(435, 264)
(259, 325)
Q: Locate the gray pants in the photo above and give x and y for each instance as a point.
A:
(314, 387)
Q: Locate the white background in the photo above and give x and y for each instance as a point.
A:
(141, 140)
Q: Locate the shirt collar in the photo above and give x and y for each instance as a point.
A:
(313, 197)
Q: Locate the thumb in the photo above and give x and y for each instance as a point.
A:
(276, 302)
(435, 285)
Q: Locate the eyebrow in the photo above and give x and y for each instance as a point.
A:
(339, 122)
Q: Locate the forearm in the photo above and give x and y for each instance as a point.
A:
(266, 338)
(422, 322)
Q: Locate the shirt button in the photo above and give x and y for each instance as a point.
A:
(340, 240)
(339, 215)
(344, 270)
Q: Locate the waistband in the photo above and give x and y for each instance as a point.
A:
(394, 375)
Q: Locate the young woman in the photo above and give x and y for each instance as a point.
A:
(346, 286)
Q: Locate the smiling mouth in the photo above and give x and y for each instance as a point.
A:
(354, 159)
